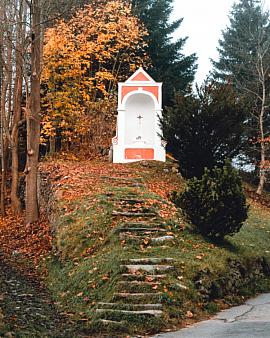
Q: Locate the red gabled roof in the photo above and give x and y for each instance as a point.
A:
(140, 76)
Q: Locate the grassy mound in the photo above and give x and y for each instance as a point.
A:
(83, 268)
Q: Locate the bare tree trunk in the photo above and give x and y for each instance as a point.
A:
(263, 154)
(3, 147)
(52, 145)
(261, 73)
(2, 103)
(33, 120)
(6, 94)
(15, 201)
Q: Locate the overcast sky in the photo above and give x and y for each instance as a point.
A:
(202, 23)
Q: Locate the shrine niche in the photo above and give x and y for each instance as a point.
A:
(138, 134)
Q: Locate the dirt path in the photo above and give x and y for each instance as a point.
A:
(26, 310)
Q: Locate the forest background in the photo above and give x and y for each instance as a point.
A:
(61, 62)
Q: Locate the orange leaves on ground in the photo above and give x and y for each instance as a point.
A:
(105, 278)
(31, 242)
(75, 179)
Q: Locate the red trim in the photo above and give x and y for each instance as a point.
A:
(151, 89)
(139, 154)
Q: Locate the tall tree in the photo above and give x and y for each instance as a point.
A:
(7, 33)
(169, 65)
(18, 35)
(204, 130)
(33, 116)
(244, 58)
(20, 50)
(84, 58)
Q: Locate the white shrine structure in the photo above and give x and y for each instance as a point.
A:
(138, 133)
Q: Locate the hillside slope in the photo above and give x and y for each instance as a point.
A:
(124, 260)
(117, 256)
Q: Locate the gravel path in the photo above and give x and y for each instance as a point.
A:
(26, 310)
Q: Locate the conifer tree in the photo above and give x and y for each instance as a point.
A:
(203, 130)
(244, 58)
(169, 65)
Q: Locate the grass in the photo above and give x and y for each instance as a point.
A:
(84, 268)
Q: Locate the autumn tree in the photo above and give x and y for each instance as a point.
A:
(84, 59)
(22, 23)
(244, 58)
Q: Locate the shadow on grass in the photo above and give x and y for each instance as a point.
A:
(224, 243)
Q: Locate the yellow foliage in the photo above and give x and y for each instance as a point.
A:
(84, 59)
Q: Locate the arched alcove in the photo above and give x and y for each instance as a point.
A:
(139, 119)
(138, 134)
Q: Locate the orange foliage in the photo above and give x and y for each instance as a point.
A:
(84, 59)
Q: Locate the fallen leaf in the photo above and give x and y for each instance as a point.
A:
(189, 314)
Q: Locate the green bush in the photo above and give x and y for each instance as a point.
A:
(215, 204)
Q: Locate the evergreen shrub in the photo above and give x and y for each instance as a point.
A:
(215, 203)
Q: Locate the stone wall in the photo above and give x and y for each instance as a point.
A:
(47, 196)
(238, 276)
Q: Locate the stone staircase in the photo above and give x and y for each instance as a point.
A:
(137, 299)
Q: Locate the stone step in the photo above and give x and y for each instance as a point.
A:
(137, 286)
(112, 324)
(131, 184)
(129, 195)
(162, 239)
(137, 297)
(125, 179)
(141, 237)
(123, 306)
(130, 201)
(147, 230)
(133, 268)
(138, 283)
(150, 313)
(134, 214)
(142, 277)
(148, 260)
(138, 225)
(133, 209)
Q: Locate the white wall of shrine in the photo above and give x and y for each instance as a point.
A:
(140, 117)
(138, 135)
